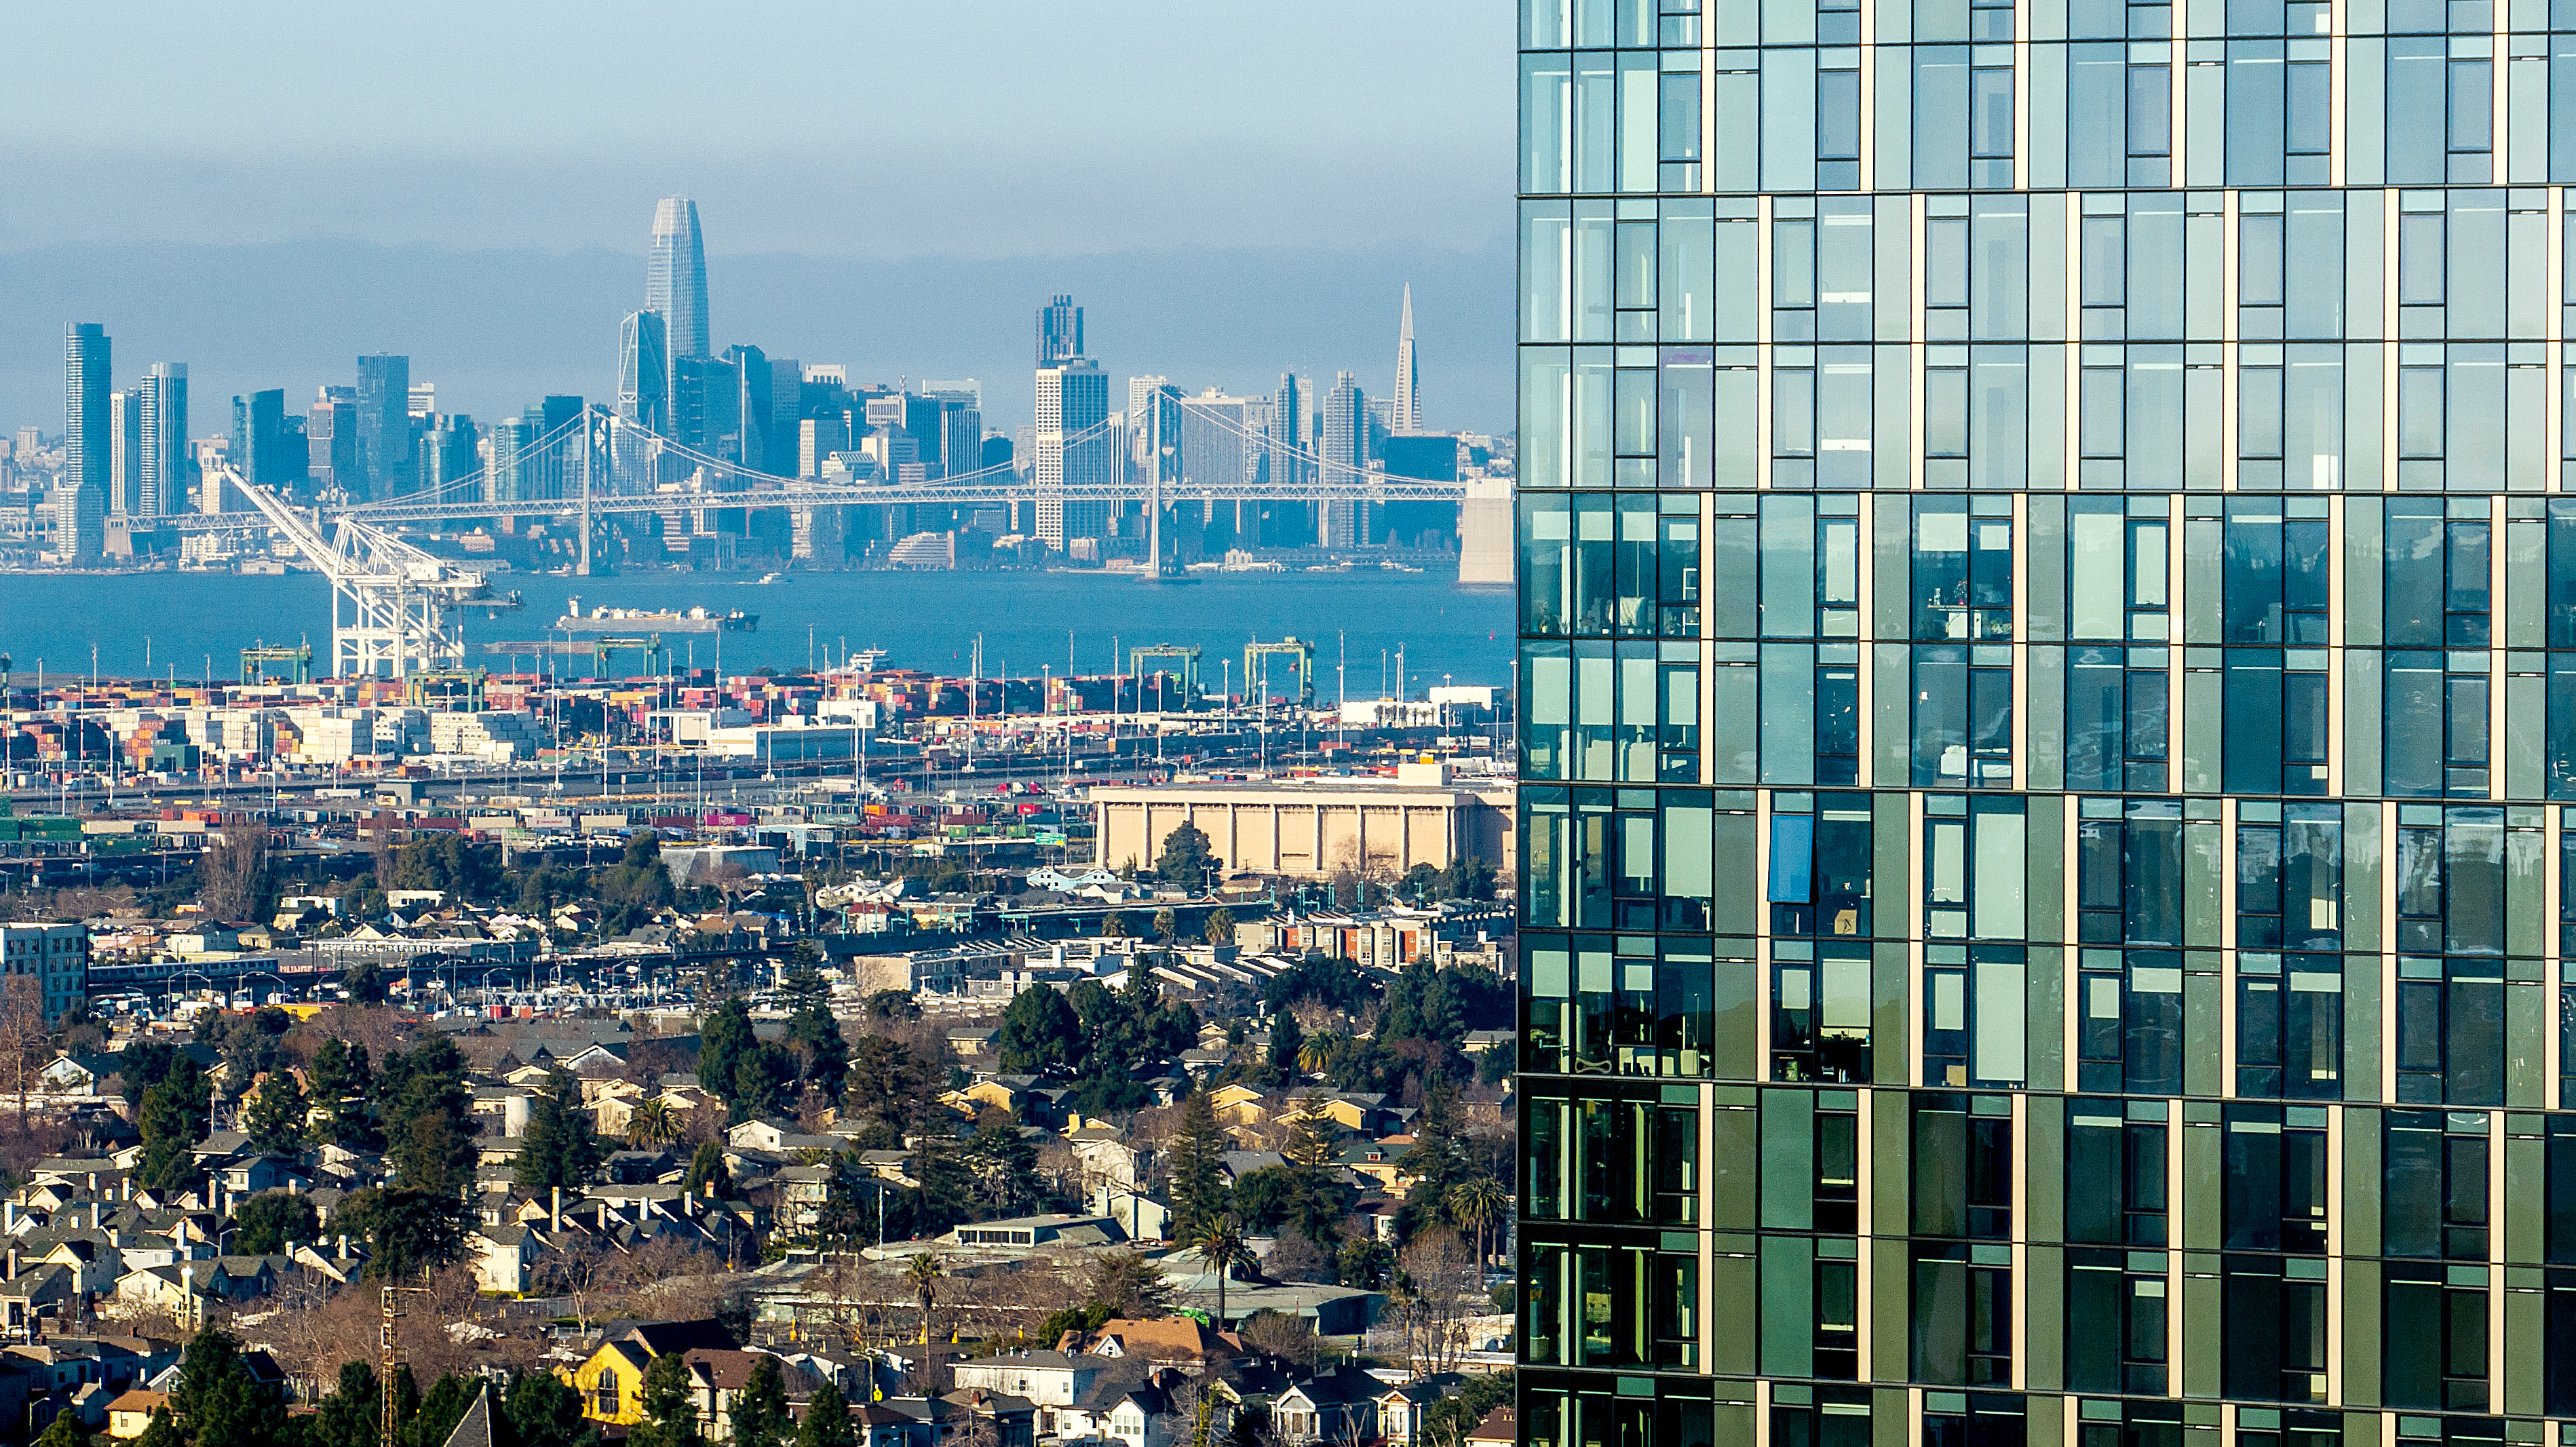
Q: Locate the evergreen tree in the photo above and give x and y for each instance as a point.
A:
(1186, 857)
(161, 1431)
(1004, 1166)
(827, 1420)
(407, 1232)
(822, 1055)
(670, 1418)
(1198, 1164)
(348, 1417)
(761, 1076)
(217, 1399)
(1040, 1033)
(343, 1083)
(65, 1431)
(427, 1116)
(545, 1411)
(708, 1175)
(561, 1148)
(274, 1221)
(722, 1042)
(275, 1119)
(174, 1117)
(940, 1202)
(760, 1408)
(1287, 1041)
(450, 1397)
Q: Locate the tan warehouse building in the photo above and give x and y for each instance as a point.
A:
(1312, 828)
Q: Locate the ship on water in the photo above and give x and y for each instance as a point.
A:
(651, 620)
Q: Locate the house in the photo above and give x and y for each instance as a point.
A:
(1050, 1381)
(1501, 1428)
(717, 1377)
(611, 1383)
(505, 1257)
(1401, 1409)
(1130, 1412)
(1171, 1339)
(129, 1414)
(1337, 1406)
(1039, 1231)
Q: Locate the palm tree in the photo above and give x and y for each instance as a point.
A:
(1478, 1203)
(651, 1125)
(923, 1277)
(1315, 1055)
(1219, 1243)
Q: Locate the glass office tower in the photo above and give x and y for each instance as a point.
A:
(2048, 667)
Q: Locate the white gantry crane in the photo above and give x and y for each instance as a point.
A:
(396, 611)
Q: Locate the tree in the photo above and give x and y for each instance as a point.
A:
(426, 1112)
(174, 1117)
(1113, 926)
(922, 1274)
(1218, 929)
(1289, 1338)
(1186, 857)
(64, 1431)
(1252, 1424)
(708, 1174)
(887, 1083)
(1003, 1164)
(1198, 1163)
(1040, 1033)
(1167, 926)
(446, 1404)
(343, 1083)
(273, 1221)
(218, 1400)
(1287, 1042)
(545, 1411)
(350, 1415)
(560, 1150)
(652, 1124)
(827, 1420)
(670, 1417)
(760, 1409)
(275, 1119)
(1477, 1203)
(406, 1231)
(1125, 1284)
(814, 1039)
(22, 1033)
(725, 1041)
(233, 875)
(1220, 1246)
(161, 1431)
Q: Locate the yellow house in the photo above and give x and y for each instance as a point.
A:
(1237, 1105)
(611, 1383)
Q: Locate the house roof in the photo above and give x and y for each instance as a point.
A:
(474, 1429)
(1500, 1425)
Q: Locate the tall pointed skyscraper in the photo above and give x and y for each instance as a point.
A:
(1407, 414)
(675, 284)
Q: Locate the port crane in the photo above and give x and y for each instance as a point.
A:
(396, 610)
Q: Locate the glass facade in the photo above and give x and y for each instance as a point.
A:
(2047, 597)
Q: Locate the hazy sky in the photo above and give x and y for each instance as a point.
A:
(312, 162)
(869, 129)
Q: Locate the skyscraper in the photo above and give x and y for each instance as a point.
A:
(331, 442)
(644, 371)
(1059, 332)
(1072, 451)
(87, 380)
(385, 460)
(2043, 867)
(675, 279)
(264, 451)
(1342, 454)
(124, 493)
(751, 408)
(165, 473)
(1406, 415)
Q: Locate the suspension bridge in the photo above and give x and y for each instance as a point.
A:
(398, 609)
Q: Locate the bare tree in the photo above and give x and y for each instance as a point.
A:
(22, 1034)
(232, 874)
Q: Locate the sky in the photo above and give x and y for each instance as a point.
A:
(1232, 190)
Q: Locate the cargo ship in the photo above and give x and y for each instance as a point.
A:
(652, 620)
